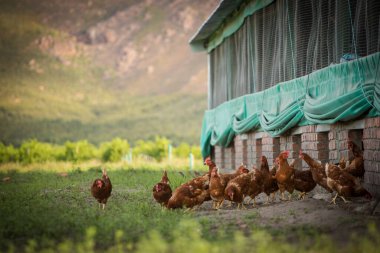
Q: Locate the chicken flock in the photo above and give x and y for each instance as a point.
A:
(342, 178)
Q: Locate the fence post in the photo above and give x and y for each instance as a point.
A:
(170, 152)
(191, 161)
(130, 156)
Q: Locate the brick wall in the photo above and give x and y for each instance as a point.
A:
(326, 144)
(254, 150)
(251, 150)
(314, 144)
(371, 143)
(219, 156)
(241, 151)
(339, 136)
(270, 148)
(293, 144)
(229, 158)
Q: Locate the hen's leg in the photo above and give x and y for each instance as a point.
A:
(302, 195)
(333, 199)
(273, 196)
(267, 202)
(345, 200)
(282, 196)
(241, 206)
(221, 204)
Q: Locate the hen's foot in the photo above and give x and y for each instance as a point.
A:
(334, 199)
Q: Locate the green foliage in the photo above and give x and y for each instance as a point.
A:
(114, 150)
(183, 150)
(79, 151)
(196, 151)
(33, 151)
(157, 149)
(8, 154)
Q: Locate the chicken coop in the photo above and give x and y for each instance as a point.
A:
(292, 75)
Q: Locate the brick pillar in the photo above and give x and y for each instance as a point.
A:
(241, 150)
(339, 136)
(371, 141)
(251, 150)
(229, 158)
(219, 156)
(357, 137)
(293, 144)
(270, 148)
(254, 150)
(314, 144)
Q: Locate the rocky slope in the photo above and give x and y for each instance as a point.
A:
(92, 69)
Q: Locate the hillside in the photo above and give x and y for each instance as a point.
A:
(96, 70)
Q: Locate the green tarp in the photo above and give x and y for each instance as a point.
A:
(340, 92)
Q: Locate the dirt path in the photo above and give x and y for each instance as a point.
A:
(291, 218)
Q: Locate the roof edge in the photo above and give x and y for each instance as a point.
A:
(225, 20)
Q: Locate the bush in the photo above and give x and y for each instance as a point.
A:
(79, 151)
(8, 154)
(114, 150)
(32, 151)
(182, 151)
(196, 150)
(158, 149)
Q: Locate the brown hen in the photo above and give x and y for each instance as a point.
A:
(101, 189)
(303, 182)
(285, 175)
(317, 170)
(217, 187)
(344, 183)
(162, 190)
(269, 184)
(237, 189)
(356, 166)
(186, 196)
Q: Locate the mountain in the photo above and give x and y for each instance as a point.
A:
(96, 70)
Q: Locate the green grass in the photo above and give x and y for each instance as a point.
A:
(43, 206)
(43, 211)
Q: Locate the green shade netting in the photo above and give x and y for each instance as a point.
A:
(339, 92)
(234, 23)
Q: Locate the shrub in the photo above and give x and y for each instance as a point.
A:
(114, 150)
(182, 151)
(196, 151)
(158, 149)
(8, 154)
(79, 151)
(32, 151)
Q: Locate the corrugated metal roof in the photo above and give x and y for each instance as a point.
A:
(213, 22)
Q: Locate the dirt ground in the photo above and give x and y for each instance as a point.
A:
(310, 216)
